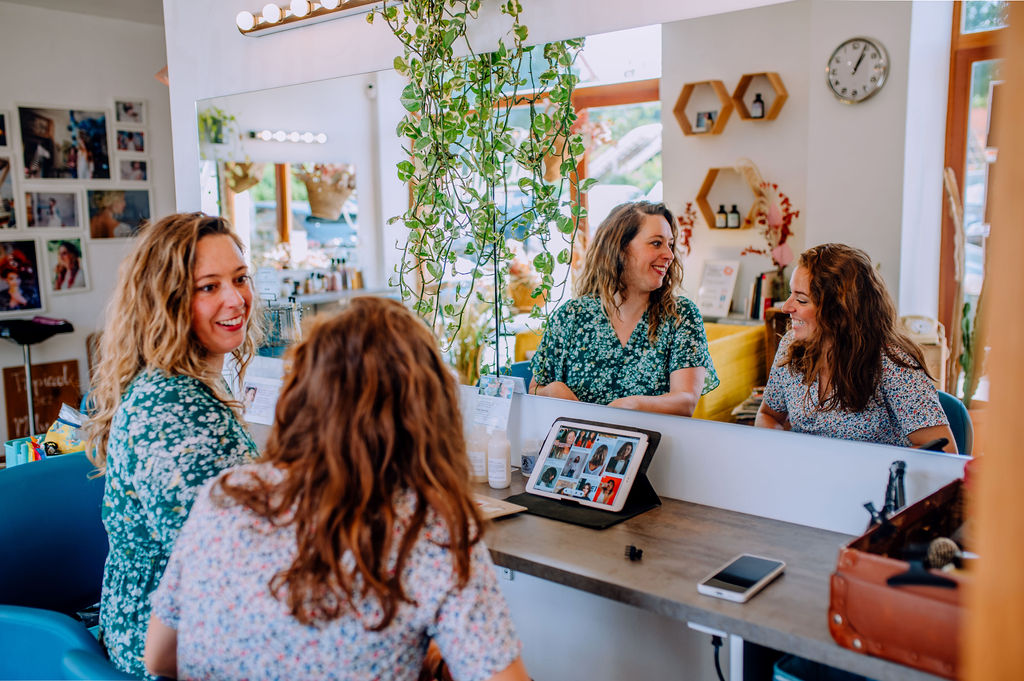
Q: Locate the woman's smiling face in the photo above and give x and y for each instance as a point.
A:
(648, 256)
(802, 311)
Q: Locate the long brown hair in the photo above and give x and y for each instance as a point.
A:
(368, 411)
(605, 265)
(856, 324)
(149, 320)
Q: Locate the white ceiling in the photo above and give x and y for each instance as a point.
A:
(142, 11)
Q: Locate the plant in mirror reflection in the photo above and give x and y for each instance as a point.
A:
(774, 215)
(478, 128)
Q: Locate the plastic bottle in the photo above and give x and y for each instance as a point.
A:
(499, 461)
(721, 217)
(528, 456)
(476, 449)
(734, 218)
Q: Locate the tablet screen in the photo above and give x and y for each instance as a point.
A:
(594, 465)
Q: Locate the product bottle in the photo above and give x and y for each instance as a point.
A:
(344, 275)
(721, 218)
(757, 107)
(499, 463)
(734, 218)
(476, 448)
(528, 456)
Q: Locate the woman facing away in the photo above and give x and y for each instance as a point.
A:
(354, 541)
(844, 370)
(164, 420)
(627, 340)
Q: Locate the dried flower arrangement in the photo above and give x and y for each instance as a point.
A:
(686, 220)
(329, 186)
(774, 216)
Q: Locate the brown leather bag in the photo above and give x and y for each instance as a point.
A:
(914, 623)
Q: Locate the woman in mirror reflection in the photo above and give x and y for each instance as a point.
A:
(164, 420)
(844, 369)
(627, 340)
(355, 541)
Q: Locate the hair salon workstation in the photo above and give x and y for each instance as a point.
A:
(798, 479)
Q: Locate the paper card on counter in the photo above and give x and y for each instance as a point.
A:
(715, 294)
(494, 401)
(259, 396)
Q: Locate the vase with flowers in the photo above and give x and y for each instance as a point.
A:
(686, 221)
(329, 186)
(774, 215)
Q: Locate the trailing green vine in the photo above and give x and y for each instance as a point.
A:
(467, 159)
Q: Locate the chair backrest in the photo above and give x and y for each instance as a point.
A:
(54, 541)
(523, 370)
(959, 422)
(42, 644)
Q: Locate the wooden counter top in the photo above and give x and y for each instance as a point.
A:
(683, 542)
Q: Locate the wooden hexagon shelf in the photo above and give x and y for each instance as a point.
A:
(772, 108)
(723, 113)
(740, 179)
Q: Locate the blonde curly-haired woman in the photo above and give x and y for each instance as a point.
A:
(165, 421)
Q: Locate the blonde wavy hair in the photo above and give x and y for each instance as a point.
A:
(149, 321)
(605, 266)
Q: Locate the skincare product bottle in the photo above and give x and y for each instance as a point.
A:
(499, 463)
(344, 275)
(476, 448)
(721, 218)
(734, 218)
(757, 107)
(528, 456)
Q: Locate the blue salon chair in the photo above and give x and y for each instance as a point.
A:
(523, 371)
(959, 422)
(42, 644)
(53, 538)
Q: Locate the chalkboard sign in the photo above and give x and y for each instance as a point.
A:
(54, 383)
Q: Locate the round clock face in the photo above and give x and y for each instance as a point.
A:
(857, 69)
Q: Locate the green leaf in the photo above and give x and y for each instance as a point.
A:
(411, 98)
(406, 170)
(544, 263)
(564, 224)
(521, 32)
(400, 64)
(564, 256)
(434, 270)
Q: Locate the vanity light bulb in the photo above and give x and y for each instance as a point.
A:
(279, 136)
(245, 21)
(300, 8)
(271, 13)
(307, 137)
(330, 4)
(321, 138)
(293, 136)
(264, 135)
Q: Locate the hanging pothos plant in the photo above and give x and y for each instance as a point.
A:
(476, 177)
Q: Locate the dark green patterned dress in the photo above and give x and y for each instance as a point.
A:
(168, 437)
(580, 349)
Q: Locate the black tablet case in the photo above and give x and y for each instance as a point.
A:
(642, 496)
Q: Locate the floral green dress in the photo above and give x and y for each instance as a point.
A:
(170, 434)
(580, 349)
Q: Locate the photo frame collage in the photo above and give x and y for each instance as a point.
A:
(68, 176)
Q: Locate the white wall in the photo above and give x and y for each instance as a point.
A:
(73, 60)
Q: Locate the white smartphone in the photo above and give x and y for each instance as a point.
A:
(741, 578)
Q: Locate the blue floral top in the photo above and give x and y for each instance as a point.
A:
(905, 400)
(235, 628)
(580, 349)
(168, 437)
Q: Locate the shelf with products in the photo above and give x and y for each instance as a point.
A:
(727, 188)
(703, 96)
(762, 93)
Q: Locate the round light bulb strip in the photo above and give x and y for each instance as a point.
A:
(289, 136)
(273, 17)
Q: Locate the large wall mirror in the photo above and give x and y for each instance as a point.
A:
(856, 172)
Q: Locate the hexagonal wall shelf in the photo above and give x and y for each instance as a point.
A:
(772, 107)
(723, 112)
(736, 178)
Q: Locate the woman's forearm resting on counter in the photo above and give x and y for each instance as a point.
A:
(685, 387)
(769, 418)
(553, 389)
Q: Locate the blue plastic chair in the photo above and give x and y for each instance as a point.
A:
(53, 539)
(523, 371)
(42, 644)
(959, 422)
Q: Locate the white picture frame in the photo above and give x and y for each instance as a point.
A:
(62, 256)
(129, 111)
(20, 266)
(714, 297)
(49, 208)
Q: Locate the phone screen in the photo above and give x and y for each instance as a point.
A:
(742, 573)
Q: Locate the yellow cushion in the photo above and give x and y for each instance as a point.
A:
(738, 354)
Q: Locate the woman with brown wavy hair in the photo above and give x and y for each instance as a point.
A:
(164, 421)
(355, 540)
(627, 340)
(844, 369)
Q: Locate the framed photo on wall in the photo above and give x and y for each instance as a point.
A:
(19, 278)
(4, 126)
(117, 213)
(133, 169)
(64, 143)
(131, 141)
(130, 111)
(66, 268)
(47, 209)
(8, 214)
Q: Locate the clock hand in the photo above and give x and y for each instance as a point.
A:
(857, 65)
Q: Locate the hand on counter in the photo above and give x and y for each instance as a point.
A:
(553, 389)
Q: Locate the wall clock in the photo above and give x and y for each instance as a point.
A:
(857, 69)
